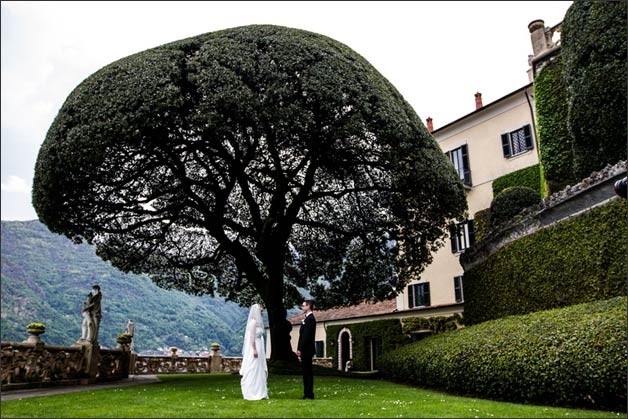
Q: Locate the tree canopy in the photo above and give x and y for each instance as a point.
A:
(253, 161)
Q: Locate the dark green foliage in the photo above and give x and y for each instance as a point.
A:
(510, 202)
(482, 224)
(574, 356)
(435, 324)
(46, 277)
(388, 330)
(555, 143)
(577, 260)
(528, 177)
(253, 161)
(594, 49)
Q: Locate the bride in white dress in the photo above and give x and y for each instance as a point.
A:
(253, 370)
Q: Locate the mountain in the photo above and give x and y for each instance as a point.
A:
(46, 277)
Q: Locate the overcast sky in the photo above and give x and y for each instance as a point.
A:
(437, 54)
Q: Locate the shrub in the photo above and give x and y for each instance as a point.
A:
(482, 224)
(123, 338)
(574, 261)
(573, 356)
(435, 324)
(510, 202)
(555, 143)
(593, 42)
(36, 326)
(529, 177)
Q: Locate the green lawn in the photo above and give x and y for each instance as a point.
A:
(218, 395)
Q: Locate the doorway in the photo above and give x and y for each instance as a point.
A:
(345, 349)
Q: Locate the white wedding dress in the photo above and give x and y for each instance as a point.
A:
(254, 371)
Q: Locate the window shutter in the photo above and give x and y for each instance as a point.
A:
(410, 296)
(527, 132)
(506, 145)
(458, 288)
(453, 233)
(471, 232)
(465, 164)
(426, 294)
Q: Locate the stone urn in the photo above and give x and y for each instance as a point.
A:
(174, 350)
(124, 341)
(34, 335)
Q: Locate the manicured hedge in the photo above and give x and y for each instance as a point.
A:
(528, 177)
(510, 202)
(577, 260)
(573, 356)
(555, 143)
(389, 330)
(437, 324)
(482, 224)
(594, 43)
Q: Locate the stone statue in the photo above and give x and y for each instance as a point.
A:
(130, 330)
(91, 316)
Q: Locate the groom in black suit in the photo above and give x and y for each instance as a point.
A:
(306, 348)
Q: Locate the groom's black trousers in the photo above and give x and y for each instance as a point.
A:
(308, 376)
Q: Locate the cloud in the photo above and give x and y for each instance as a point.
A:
(16, 184)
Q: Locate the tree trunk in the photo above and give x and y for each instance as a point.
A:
(280, 327)
(281, 347)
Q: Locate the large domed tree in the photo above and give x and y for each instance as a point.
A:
(258, 161)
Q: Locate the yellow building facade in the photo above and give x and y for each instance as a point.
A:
(490, 142)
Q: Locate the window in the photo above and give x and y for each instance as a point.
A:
(419, 295)
(462, 236)
(460, 159)
(320, 352)
(458, 288)
(372, 351)
(517, 141)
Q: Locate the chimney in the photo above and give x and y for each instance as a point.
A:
(537, 36)
(478, 100)
(430, 127)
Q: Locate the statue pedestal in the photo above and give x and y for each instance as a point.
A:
(91, 358)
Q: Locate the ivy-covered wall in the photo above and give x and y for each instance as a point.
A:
(389, 331)
(593, 49)
(555, 143)
(578, 260)
(529, 177)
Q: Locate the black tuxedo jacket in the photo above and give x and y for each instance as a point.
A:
(306, 336)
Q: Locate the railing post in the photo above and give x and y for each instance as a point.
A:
(215, 363)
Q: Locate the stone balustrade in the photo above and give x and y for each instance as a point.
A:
(32, 363)
(170, 364)
(176, 364)
(29, 365)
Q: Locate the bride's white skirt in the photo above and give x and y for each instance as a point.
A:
(254, 374)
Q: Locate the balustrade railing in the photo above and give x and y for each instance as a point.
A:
(33, 363)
